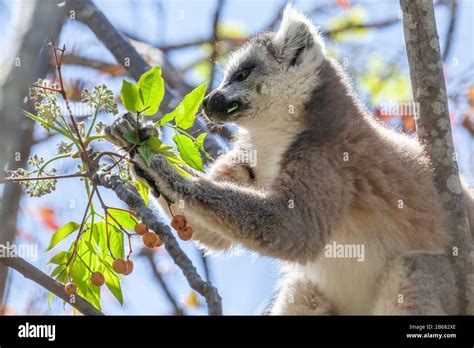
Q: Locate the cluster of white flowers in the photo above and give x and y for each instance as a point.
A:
(100, 96)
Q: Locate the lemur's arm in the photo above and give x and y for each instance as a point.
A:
(225, 168)
(260, 220)
(257, 219)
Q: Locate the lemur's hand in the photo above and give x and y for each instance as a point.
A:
(126, 123)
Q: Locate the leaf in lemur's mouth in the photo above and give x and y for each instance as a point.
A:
(232, 108)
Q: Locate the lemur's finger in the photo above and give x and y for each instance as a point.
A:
(116, 131)
(113, 137)
(127, 123)
(132, 122)
(148, 130)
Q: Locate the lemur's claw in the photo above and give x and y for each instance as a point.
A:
(125, 124)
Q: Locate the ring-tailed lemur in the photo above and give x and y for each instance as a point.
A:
(327, 176)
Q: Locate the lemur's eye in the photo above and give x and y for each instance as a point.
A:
(242, 74)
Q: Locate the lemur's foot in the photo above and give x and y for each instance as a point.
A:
(125, 124)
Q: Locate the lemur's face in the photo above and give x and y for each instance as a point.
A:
(262, 76)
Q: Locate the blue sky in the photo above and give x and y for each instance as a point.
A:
(244, 279)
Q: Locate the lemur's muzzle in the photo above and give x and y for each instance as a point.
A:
(217, 105)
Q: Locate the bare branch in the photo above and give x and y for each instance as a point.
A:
(9, 259)
(148, 254)
(215, 41)
(375, 25)
(205, 264)
(453, 6)
(112, 69)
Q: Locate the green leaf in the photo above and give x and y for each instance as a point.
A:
(189, 106)
(152, 89)
(174, 159)
(181, 170)
(142, 189)
(116, 242)
(58, 270)
(50, 299)
(130, 94)
(62, 276)
(166, 118)
(112, 281)
(200, 140)
(185, 112)
(81, 276)
(125, 219)
(62, 233)
(60, 258)
(98, 233)
(145, 151)
(154, 143)
(131, 137)
(93, 296)
(188, 151)
(48, 125)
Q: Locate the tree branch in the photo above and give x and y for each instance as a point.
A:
(148, 254)
(215, 41)
(112, 69)
(452, 26)
(434, 132)
(131, 197)
(9, 259)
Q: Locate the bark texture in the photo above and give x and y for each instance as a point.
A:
(434, 132)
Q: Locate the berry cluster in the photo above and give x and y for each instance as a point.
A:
(180, 224)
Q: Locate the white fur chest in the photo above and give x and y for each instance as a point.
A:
(349, 281)
(270, 142)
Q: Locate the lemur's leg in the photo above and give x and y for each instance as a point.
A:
(419, 283)
(301, 297)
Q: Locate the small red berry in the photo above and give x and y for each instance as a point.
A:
(97, 279)
(150, 239)
(185, 233)
(70, 288)
(178, 222)
(129, 267)
(119, 266)
(140, 229)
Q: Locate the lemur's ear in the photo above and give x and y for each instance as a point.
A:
(298, 39)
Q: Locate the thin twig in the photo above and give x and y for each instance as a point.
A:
(81, 228)
(215, 41)
(452, 26)
(148, 254)
(51, 177)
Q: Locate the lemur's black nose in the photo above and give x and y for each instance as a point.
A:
(217, 103)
